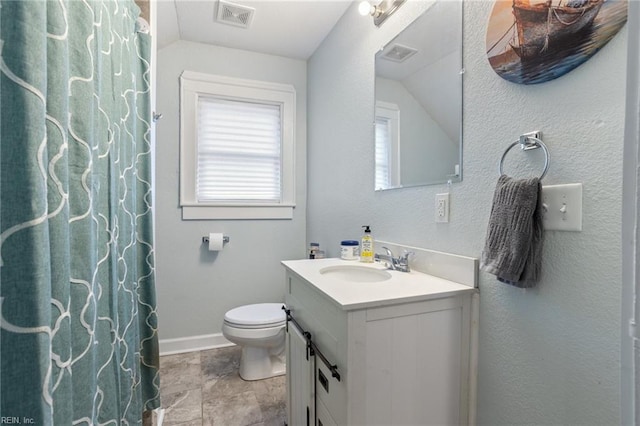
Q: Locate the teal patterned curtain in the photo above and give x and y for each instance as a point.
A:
(78, 339)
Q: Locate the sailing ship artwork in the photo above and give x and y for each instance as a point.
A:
(534, 41)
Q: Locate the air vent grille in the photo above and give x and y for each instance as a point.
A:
(399, 53)
(234, 14)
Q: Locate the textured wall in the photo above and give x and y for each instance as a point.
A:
(196, 287)
(550, 355)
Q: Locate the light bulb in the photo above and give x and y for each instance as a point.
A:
(364, 8)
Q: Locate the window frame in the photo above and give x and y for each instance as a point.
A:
(195, 84)
(390, 112)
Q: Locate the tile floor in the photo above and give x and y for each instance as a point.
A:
(204, 388)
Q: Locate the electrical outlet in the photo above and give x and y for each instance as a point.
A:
(442, 208)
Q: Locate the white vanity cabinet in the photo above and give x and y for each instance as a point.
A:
(400, 361)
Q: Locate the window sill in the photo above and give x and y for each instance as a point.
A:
(254, 212)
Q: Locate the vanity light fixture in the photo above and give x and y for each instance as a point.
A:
(380, 12)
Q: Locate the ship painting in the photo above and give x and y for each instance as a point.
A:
(532, 41)
(542, 28)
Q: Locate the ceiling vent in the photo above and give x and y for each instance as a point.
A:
(234, 14)
(399, 53)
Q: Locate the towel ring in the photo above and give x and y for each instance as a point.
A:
(526, 144)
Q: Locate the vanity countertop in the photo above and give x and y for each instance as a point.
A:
(402, 287)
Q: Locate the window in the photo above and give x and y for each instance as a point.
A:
(236, 148)
(387, 141)
(383, 152)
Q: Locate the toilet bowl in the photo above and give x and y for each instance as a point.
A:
(260, 330)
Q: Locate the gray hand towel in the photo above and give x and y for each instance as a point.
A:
(513, 246)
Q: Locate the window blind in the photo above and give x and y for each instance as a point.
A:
(239, 151)
(383, 152)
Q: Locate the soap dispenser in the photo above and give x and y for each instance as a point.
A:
(366, 246)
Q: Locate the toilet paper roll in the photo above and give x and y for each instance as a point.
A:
(216, 241)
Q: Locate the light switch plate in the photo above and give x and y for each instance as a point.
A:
(562, 207)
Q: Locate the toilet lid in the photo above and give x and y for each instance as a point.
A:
(262, 314)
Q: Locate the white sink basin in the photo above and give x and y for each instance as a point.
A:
(356, 273)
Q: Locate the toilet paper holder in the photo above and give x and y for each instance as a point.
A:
(205, 239)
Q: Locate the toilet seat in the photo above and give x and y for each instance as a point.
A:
(260, 315)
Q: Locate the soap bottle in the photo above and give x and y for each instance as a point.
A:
(366, 246)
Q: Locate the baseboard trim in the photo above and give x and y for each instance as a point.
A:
(159, 416)
(192, 344)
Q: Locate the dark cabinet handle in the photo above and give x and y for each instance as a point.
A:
(323, 380)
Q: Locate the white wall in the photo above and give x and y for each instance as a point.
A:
(196, 287)
(427, 154)
(434, 94)
(550, 355)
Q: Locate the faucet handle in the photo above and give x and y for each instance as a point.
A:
(403, 260)
(388, 250)
(405, 255)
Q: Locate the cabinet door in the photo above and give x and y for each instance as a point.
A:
(300, 380)
(414, 367)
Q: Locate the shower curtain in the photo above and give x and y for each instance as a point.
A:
(78, 342)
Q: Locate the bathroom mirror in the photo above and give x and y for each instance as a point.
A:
(418, 95)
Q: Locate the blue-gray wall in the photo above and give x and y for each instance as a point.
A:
(196, 287)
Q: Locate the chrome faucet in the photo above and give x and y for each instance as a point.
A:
(395, 263)
(388, 258)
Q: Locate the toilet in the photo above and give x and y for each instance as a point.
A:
(260, 330)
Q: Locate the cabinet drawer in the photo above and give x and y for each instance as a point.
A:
(331, 392)
(323, 417)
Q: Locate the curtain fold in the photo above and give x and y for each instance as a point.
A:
(78, 321)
